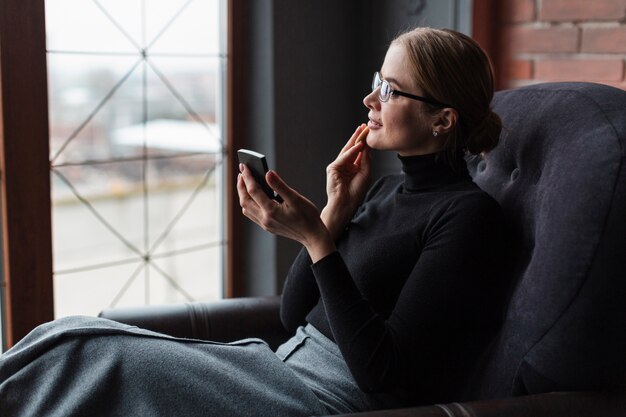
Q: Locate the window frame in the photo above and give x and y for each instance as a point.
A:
(24, 163)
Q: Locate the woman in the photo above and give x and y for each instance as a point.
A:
(405, 285)
(393, 299)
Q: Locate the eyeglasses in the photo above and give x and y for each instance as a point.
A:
(386, 91)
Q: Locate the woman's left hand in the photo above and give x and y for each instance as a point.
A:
(295, 218)
(347, 180)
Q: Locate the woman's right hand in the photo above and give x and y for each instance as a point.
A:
(347, 181)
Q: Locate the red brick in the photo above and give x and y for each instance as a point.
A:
(578, 69)
(522, 39)
(620, 85)
(604, 40)
(581, 10)
(517, 69)
(517, 11)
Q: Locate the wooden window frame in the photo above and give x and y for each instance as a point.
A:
(24, 165)
(486, 19)
(235, 92)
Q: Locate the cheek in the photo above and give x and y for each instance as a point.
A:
(404, 127)
(403, 124)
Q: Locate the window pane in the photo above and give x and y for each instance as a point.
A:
(89, 26)
(137, 150)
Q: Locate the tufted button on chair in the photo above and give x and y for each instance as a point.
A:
(559, 174)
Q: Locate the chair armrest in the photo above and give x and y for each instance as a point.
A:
(556, 404)
(220, 321)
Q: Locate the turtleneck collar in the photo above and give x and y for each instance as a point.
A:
(426, 172)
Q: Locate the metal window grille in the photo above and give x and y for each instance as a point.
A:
(136, 106)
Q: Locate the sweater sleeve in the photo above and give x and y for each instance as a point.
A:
(300, 290)
(446, 303)
(300, 293)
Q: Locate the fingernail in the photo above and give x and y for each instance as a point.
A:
(240, 167)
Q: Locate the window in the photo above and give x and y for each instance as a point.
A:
(137, 151)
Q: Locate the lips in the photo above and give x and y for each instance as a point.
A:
(373, 124)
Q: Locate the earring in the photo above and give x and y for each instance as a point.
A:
(435, 133)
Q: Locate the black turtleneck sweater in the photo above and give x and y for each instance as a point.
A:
(413, 294)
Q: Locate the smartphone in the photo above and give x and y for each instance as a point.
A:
(257, 164)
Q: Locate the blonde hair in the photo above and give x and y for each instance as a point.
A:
(451, 67)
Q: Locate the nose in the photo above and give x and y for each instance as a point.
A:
(371, 100)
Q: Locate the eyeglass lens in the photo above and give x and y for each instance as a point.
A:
(385, 87)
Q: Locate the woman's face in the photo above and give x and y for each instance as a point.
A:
(401, 124)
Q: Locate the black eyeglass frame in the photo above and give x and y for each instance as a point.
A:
(380, 80)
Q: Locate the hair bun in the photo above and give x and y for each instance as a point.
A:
(484, 136)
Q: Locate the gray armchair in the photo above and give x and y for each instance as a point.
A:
(559, 173)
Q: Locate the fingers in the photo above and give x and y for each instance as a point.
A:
(281, 188)
(253, 189)
(255, 204)
(351, 155)
(353, 138)
(296, 218)
(249, 207)
(363, 159)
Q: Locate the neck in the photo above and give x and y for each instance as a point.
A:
(425, 172)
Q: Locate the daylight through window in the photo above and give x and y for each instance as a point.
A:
(136, 108)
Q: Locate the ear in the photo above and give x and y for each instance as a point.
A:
(445, 120)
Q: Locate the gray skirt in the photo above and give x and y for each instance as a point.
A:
(83, 366)
(317, 361)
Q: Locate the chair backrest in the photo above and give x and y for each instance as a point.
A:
(559, 173)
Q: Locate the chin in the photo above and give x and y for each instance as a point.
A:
(373, 142)
(373, 145)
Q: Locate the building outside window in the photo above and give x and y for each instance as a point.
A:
(137, 151)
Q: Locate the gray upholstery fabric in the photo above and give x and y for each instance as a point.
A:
(559, 175)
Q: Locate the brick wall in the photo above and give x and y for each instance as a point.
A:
(560, 40)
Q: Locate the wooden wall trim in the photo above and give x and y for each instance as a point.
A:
(24, 165)
(486, 30)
